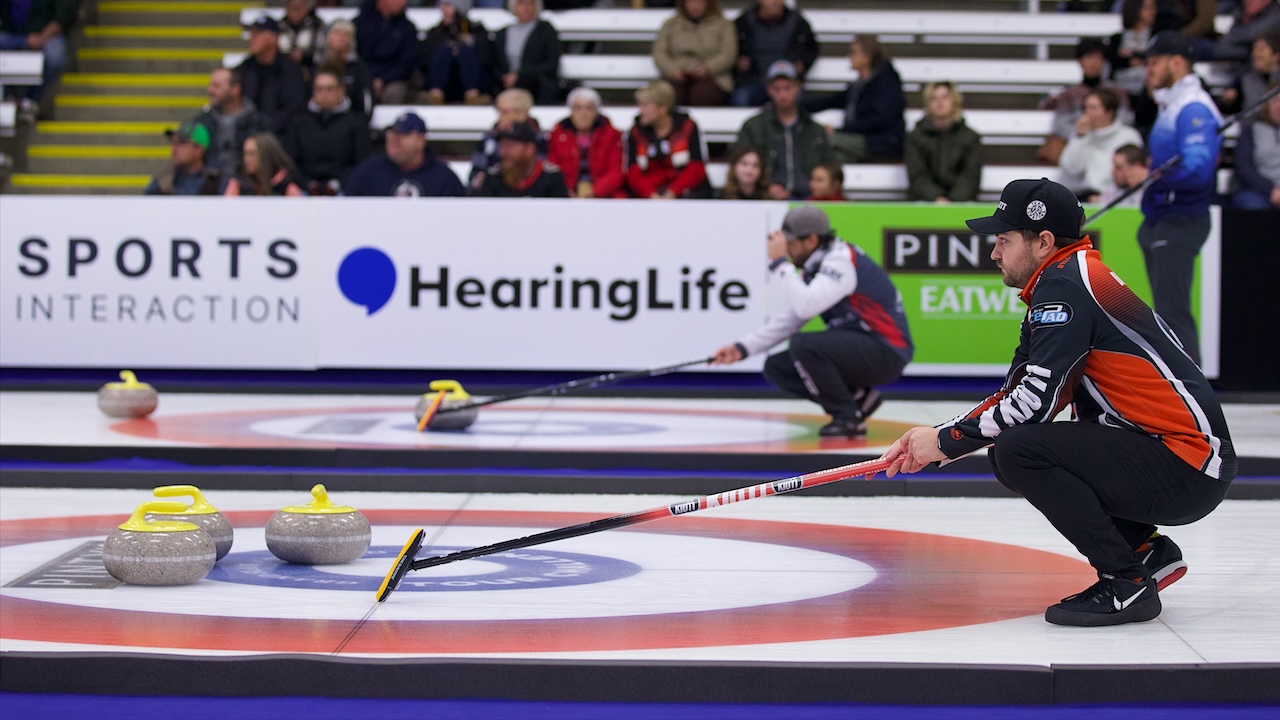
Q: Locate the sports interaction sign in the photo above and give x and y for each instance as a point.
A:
(266, 283)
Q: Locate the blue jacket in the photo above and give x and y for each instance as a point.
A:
(1186, 126)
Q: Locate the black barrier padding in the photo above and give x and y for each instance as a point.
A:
(1250, 301)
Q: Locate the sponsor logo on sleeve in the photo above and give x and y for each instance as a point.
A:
(1050, 314)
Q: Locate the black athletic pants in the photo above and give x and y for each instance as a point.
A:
(1169, 247)
(830, 367)
(1105, 489)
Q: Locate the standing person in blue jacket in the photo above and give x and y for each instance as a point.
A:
(1176, 206)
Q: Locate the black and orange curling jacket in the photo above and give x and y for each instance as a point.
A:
(1087, 340)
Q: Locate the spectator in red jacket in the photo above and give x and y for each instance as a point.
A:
(588, 148)
(666, 158)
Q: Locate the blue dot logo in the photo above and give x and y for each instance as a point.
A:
(367, 278)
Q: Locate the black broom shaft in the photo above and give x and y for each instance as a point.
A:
(584, 383)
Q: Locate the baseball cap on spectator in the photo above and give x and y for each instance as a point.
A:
(520, 132)
(1169, 42)
(192, 132)
(1034, 205)
(781, 68)
(409, 122)
(265, 22)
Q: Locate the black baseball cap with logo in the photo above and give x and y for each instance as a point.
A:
(1034, 205)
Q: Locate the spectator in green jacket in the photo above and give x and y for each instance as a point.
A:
(943, 155)
(788, 138)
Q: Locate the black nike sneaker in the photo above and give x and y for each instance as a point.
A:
(1163, 559)
(1110, 601)
(841, 426)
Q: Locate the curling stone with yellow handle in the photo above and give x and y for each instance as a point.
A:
(199, 512)
(128, 399)
(319, 533)
(453, 397)
(139, 552)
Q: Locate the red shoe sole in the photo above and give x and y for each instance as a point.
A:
(1175, 574)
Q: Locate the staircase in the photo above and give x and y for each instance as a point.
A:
(142, 68)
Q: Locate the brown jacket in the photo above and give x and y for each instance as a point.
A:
(683, 45)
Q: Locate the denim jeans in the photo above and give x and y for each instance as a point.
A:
(55, 60)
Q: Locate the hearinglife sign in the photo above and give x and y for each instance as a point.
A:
(289, 283)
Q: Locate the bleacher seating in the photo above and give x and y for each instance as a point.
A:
(718, 124)
(873, 182)
(17, 67)
(828, 25)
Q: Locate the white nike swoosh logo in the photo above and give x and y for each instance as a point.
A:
(1127, 603)
(1147, 557)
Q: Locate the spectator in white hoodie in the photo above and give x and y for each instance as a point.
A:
(1086, 159)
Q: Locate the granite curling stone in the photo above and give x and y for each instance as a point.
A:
(139, 552)
(128, 399)
(453, 397)
(319, 533)
(200, 512)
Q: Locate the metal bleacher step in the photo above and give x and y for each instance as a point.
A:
(96, 159)
(162, 12)
(160, 36)
(128, 107)
(77, 184)
(150, 59)
(179, 84)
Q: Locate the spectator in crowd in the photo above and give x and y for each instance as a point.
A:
(666, 158)
(943, 154)
(273, 82)
(747, 177)
(695, 51)
(1258, 160)
(526, 54)
(513, 106)
(408, 168)
(1175, 206)
(388, 41)
(456, 52)
(1262, 72)
(1067, 105)
(520, 172)
(769, 31)
(38, 25)
(1086, 160)
(587, 148)
(328, 140)
(339, 54)
(874, 127)
(1124, 52)
(826, 183)
(302, 33)
(789, 140)
(1129, 169)
(230, 118)
(1193, 18)
(1125, 55)
(1253, 19)
(265, 169)
(187, 174)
